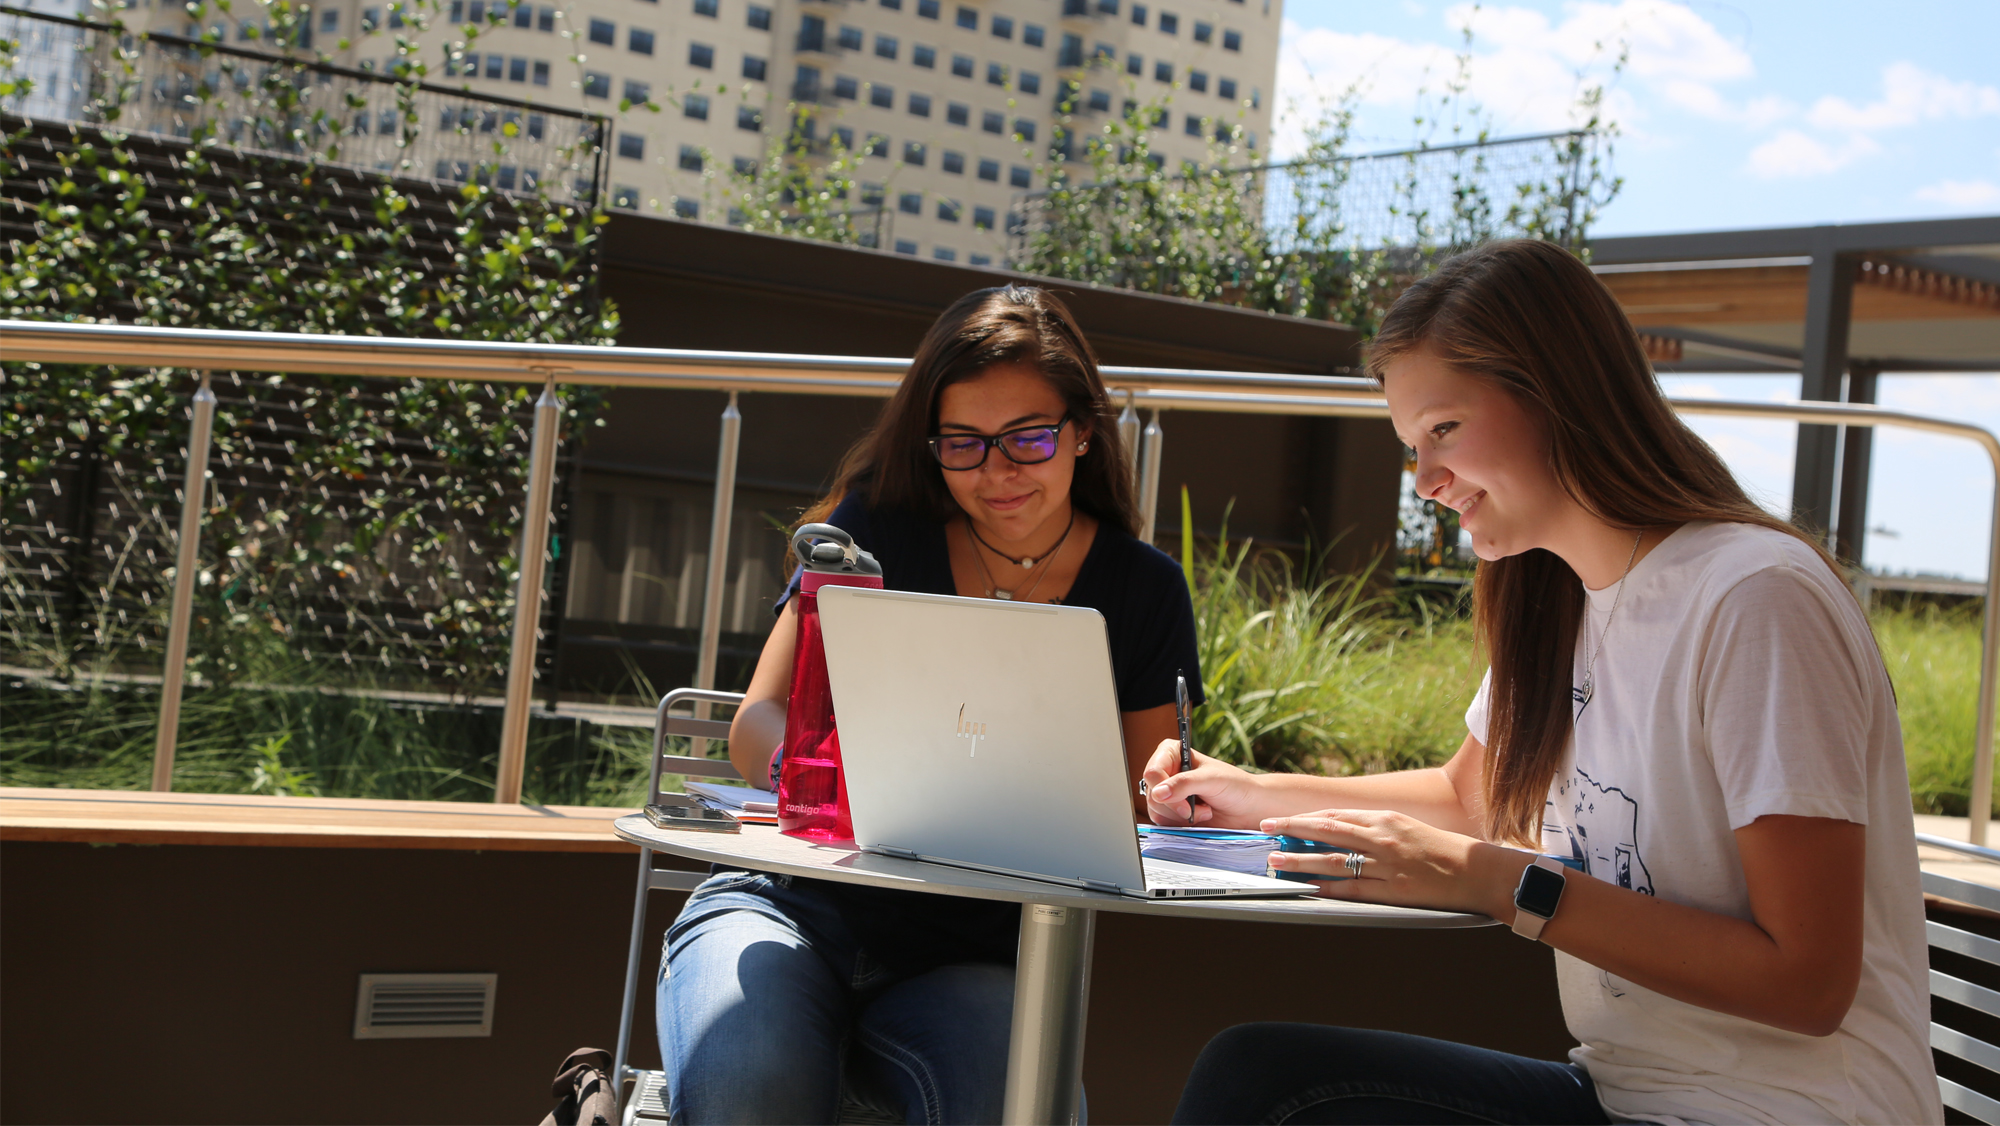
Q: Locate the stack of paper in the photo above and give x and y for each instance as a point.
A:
(1232, 850)
(749, 804)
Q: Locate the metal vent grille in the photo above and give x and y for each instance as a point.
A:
(403, 1006)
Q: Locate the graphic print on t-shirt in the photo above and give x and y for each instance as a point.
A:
(1601, 830)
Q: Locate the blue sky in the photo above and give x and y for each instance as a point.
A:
(1757, 114)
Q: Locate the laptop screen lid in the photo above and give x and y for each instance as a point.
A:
(981, 732)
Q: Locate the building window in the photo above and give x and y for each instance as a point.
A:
(906, 246)
(545, 19)
(1162, 119)
(1134, 65)
(495, 65)
(1256, 97)
(927, 9)
(925, 57)
(945, 254)
(882, 96)
(1226, 88)
(750, 119)
(953, 162)
(1100, 101)
(524, 17)
(1033, 35)
(746, 167)
(989, 171)
(845, 87)
(638, 42)
(980, 260)
(758, 16)
(878, 145)
(844, 138)
(1002, 27)
(1024, 129)
(892, 5)
(1108, 7)
(605, 32)
(956, 113)
(595, 85)
(885, 46)
(805, 84)
(920, 105)
(754, 68)
(996, 75)
(705, 8)
(961, 66)
(517, 70)
(1071, 52)
(1198, 81)
(1170, 24)
(638, 93)
(1232, 41)
(910, 203)
(691, 158)
(850, 38)
(1030, 82)
(1139, 14)
(982, 218)
(626, 197)
(687, 209)
(1019, 176)
(948, 210)
(914, 153)
(695, 106)
(541, 73)
(632, 146)
(1163, 71)
(968, 18)
(1192, 126)
(993, 123)
(701, 55)
(1203, 32)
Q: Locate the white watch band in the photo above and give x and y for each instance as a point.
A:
(1527, 924)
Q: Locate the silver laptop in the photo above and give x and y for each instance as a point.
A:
(985, 734)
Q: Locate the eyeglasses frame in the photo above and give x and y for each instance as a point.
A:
(993, 442)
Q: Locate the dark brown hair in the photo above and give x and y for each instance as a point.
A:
(1017, 324)
(1534, 320)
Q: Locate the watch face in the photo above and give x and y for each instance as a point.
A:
(1539, 892)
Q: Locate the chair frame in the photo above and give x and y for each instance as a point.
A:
(699, 727)
(1951, 1041)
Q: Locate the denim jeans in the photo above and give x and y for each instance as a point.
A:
(767, 1006)
(1307, 1074)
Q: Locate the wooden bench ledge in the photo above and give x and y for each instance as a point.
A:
(128, 817)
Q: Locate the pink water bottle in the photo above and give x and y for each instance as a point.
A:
(812, 792)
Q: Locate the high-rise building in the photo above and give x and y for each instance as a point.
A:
(954, 102)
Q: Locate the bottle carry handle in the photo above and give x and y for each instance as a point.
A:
(826, 554)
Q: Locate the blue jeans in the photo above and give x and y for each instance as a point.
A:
(1303, 1074)
(765, 994)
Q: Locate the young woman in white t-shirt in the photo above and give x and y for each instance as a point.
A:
(1684, 704)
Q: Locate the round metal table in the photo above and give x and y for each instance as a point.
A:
(1052, 967)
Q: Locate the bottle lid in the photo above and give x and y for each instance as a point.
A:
(826, 550)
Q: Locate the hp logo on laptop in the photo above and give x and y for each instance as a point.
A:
(973, 732)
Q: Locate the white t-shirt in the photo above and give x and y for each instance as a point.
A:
(1739, 679)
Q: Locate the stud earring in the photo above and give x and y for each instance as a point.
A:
(1081, 447)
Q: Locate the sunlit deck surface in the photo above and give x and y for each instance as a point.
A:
(126, 817)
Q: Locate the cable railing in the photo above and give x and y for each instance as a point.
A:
(1153, 390)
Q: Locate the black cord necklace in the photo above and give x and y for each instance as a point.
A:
(1025, 562)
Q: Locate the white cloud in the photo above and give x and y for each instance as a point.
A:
(1910, 94)
(1961, 193)
(1792, 153)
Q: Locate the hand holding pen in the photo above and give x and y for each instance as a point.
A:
(1187, 749)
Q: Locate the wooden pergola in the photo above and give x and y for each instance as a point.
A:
(1839, 304)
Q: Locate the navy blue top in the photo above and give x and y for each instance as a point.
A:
(1150, 623)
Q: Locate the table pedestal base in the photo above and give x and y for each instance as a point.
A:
(1051, 994)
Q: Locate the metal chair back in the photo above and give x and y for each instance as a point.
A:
(1944, 1039)
(647, 1099)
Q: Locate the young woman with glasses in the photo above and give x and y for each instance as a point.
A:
(1684, 712)
(995, 472)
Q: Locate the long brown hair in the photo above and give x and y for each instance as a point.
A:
(1017, 324)
(1534, 320)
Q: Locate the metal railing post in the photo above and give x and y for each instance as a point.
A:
(718, 561)
(528, 598)
(194, 491)
(1981, 805)
(1149, 476)
(1128, 436)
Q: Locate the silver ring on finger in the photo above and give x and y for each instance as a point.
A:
(1354, 862)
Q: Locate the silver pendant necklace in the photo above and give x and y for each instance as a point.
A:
(993, 588)
(1590, 667)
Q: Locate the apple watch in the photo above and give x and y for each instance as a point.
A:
(1536, 896)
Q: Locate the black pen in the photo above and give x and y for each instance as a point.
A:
(1187, 750)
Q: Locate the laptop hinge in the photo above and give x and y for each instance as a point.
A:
(891, 850)
(1100, 885)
